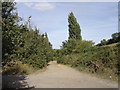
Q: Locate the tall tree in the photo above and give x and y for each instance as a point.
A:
(9, 26)
(47, 40)
(74, 28)
(21, 41)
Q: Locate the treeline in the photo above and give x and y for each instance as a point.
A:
(85, 56)
(115, 38)
(21, 42)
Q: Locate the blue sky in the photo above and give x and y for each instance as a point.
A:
(97, 20)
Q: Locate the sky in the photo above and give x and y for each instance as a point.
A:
(98, 20)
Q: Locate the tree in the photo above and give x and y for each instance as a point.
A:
(83, 45)
(74, 28)
(103, 42)
(116, 37)
(74, 35)
(49, 45)
(22, 42)
(9, 28)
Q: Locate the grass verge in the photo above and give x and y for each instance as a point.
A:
(18, 68)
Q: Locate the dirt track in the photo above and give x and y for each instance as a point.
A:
(61, 76)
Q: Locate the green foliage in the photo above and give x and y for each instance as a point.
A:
(104, 42)
(115, 38)
(74, 28)
(94, 60)
(83, 55)
(74, 36)
(17, 67)
(75, 46)
(36, 49)
(82, 46)
(68, 46)
(22, 42)
(9, 25)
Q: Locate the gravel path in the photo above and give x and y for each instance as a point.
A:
(61, 76)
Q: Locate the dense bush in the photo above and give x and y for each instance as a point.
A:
(17, 67)
(75, 46)
(21, 41)
(115, 38)
(84, 55)
(95, 59)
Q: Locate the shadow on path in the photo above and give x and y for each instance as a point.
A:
(15, 82)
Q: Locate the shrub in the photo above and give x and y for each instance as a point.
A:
(17, 67)
(95, 59)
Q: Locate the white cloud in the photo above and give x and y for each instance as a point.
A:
(41, 6)
(44, 6)
(28, 4)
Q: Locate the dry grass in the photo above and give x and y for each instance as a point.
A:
(111, 45)
(17, 67)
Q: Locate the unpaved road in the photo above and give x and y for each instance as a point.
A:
(61, 76)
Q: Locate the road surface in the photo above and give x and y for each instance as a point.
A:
(61, 76)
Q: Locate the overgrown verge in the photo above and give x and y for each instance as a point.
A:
(22, 42)
(102, 61)
(18, 68)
